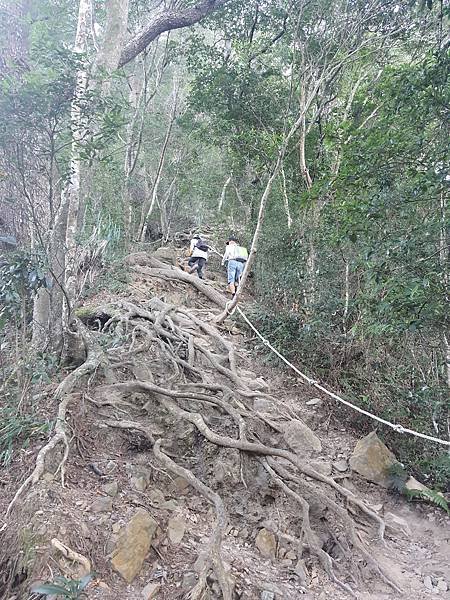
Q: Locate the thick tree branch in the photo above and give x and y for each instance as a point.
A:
(166, 21)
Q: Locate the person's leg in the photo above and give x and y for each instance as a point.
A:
(201, 263)
(239, 271)
(193, 264)
(231, 276)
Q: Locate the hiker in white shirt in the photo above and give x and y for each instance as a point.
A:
(236, 256)
(198, 255)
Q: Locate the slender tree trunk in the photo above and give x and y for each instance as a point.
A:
(71, 192)
(113, 41)
(146, 212)
(286, 200)
(223, 194)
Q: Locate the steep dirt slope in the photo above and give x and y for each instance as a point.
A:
(196, 471)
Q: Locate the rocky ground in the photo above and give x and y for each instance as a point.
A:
(196, 471)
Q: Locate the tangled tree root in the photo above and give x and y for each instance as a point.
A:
(63, 394)
(203, 379)
(195, 347)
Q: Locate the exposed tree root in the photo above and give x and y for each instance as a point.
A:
(212, 556)
(200, 380)
(63, 394)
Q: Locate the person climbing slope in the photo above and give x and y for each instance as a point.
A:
(198, 255)
(236, 256)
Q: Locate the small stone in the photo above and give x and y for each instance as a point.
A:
(427, 582)
(371, 459)
(266, 543)
(176, 529)
(300, 438)
(286, 563)
(397, 523)
(156, 496)
(150, 591)
(116, 528)
(263, 405)
(291, 555)
(341, 465)
(139, 483)
(111, 488)
(321, 466)
(133, 545)
(442, 585)
(413, 484)
(48, 477)
(189, 580)
(265, 595)
(103, 504)
(313, 402)
(169, 505)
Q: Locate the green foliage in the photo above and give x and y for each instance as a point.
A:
(70, 589)
(17, 428)
(21, 275)
(431, 495)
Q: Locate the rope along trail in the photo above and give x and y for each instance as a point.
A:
(317, 385)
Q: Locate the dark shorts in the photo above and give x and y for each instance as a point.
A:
(200, 264)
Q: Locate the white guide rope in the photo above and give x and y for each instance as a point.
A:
(317, 385)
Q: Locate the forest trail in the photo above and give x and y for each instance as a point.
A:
(198, 471)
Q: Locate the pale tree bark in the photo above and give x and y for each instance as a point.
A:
(148, 207)
(71, 191)
(286, 199)
(224, 193)
(164, 204)
(114, 37)
(41, 320)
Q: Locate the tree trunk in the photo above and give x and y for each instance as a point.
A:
(146, 212)
(71, 192)
(115, 30)
(223, 194)
(41, 320)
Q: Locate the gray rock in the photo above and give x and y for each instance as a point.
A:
(300, 438)
(133, 545)
(321, 466)
(341, 465)
(427, 582)
(139, 483)
(263, 405)
(265, 595)
(372, 459)
(314, 402)
(189, 580)
(266, 543)
(397, 523)
(103, 504)
(176, 529)
(150, 591)
(111, 488)
(442, 585)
